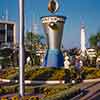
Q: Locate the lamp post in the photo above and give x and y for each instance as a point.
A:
(21, 47)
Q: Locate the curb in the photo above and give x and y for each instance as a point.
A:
(47, 82)
(91, 80)
(31, 82)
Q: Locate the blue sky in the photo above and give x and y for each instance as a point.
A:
(77, 11)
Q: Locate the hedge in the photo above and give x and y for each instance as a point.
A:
(62, 93)
(50, 73)
(91, 73)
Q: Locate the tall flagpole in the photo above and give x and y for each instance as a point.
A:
(21, 47)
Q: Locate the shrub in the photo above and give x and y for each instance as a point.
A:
(9, 89)
(91, 72)
(9, 73)
(35, 73)
(29, 89)
(58, 74)
(64, 93)
(45, 74)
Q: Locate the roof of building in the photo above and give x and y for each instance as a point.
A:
(7, 22)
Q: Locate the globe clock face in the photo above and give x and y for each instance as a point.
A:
(53, 6)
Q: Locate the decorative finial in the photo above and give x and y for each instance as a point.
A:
(53, 6)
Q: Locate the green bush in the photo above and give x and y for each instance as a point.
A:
(91, 72)
(15, 89)
(58, 74)
(37, 73)
(61, 92)
(9, 89)
(9, 73)
(50, 90)
(29, 89)
(45, 74)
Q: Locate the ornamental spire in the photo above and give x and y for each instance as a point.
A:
(53, 6)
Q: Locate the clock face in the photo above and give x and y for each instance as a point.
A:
(53, 6)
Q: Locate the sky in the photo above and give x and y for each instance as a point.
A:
(76, 11)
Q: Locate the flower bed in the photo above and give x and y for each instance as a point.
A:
(8, 73)
(91, 73)
(50, 73)
(52, 92)
(16, 97)
(60, 92)
(35, 74)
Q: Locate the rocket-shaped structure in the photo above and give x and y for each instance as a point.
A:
(83, 48)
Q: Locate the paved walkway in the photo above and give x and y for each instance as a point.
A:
(92, 91)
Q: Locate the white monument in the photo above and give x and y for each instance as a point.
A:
(83, 48)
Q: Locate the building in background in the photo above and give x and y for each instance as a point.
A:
(7, 33)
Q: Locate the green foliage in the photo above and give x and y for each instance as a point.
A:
(14, 88)
(60, 92)
(58, 74)
(9, 73)
(98, 53)
(29, 89)
(50, 90)
(32, 38)
(53, 92)
(98, 36)
(32, 73)
(34, 43)
(91, 72)
(45, 74)
(93, 41)
(9, 89)
(5, 54)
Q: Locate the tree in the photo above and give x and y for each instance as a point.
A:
(33, 39)
(34, 43)
(5, 56)
(93, 41)
(98, 39)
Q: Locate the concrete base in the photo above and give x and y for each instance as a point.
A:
(53, 58)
